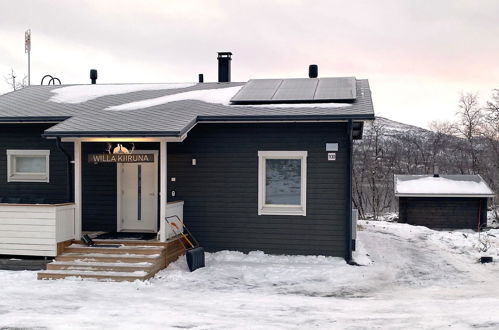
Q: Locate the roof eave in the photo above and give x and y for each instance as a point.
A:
(110, 134)
(37, 119)
(446, 195)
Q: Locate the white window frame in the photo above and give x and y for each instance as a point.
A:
(13, 176)
(275, 209)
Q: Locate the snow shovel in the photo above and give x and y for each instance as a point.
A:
(194, 254)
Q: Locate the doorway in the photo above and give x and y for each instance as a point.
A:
(137, 191)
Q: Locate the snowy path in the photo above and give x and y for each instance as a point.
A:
(418, 279)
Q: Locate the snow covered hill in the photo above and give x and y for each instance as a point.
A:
(412, 278)
(393, 127)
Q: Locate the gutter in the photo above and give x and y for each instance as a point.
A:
(348, 220)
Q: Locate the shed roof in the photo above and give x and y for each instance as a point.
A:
(159, 109)
(441, 186)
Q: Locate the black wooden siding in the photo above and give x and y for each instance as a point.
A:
(443, 212)
(221, 191)
(28, 136)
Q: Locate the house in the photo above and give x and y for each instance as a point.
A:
(262, 165)
(443, 201)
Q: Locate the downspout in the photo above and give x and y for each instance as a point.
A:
(69, 189)
(348, 220)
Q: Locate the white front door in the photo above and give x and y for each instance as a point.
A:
(137, 194)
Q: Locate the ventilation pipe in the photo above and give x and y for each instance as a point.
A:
(201, 78)
(224, 59)
(93, 76)
(313, 71)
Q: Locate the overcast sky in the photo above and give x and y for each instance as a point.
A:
(417, 55)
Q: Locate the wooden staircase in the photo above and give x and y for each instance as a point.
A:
(129, 261)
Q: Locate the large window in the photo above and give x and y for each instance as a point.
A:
(28, 165)
(282, 182)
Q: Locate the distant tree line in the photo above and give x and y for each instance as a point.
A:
(467, 145)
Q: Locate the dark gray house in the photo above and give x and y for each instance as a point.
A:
(443, 201)
(262, 165)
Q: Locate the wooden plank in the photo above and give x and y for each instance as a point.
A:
(27, 240)
(28, 221)
(27, 234)
(27, 252)
(64, 257)
(26, 209)
(48, 276)
(63, 245)
(42, 247)
(26, 215)
(27, 228)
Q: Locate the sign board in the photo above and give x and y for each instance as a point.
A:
(331, 156)
(331, 146)
(121, 158)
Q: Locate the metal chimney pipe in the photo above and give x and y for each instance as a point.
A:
(201, 78)
(224, 59)
(93, 76)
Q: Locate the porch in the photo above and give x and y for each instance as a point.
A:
(114, 260)
(120, 186)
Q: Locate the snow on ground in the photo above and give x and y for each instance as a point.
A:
(217, 95)
(84, 93)
(412, 278)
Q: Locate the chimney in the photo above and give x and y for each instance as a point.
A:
(313, 71)
(224, 59)
(201, 78)
(435, 171)
(93, 76)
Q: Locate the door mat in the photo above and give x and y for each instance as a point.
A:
(127, 236)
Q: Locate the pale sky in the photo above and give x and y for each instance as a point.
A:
(417, 55)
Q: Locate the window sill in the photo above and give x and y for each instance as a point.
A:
(28, 179)
(282, 210)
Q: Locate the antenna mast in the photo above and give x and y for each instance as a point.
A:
(27, 49)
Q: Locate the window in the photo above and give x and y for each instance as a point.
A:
(282, 182)
(28, 165)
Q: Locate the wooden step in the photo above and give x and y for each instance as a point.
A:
(102, 266)
(128, 242)
(130, 261)
(99, 275)
(139, 249)
(109, 257)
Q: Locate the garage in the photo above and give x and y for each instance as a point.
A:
(443, 202)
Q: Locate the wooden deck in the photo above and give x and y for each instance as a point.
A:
(132, 260)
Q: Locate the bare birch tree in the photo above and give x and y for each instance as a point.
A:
(15, 82)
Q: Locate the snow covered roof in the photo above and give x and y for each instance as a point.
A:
(159, 109)
(442, 186)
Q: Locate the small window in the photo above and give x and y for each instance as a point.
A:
(28, 165)
(282, 182)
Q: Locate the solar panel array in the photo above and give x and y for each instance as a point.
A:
(297, 90)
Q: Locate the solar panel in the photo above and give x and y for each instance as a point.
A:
(336, 89)
(257, 90)
(297, 90)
